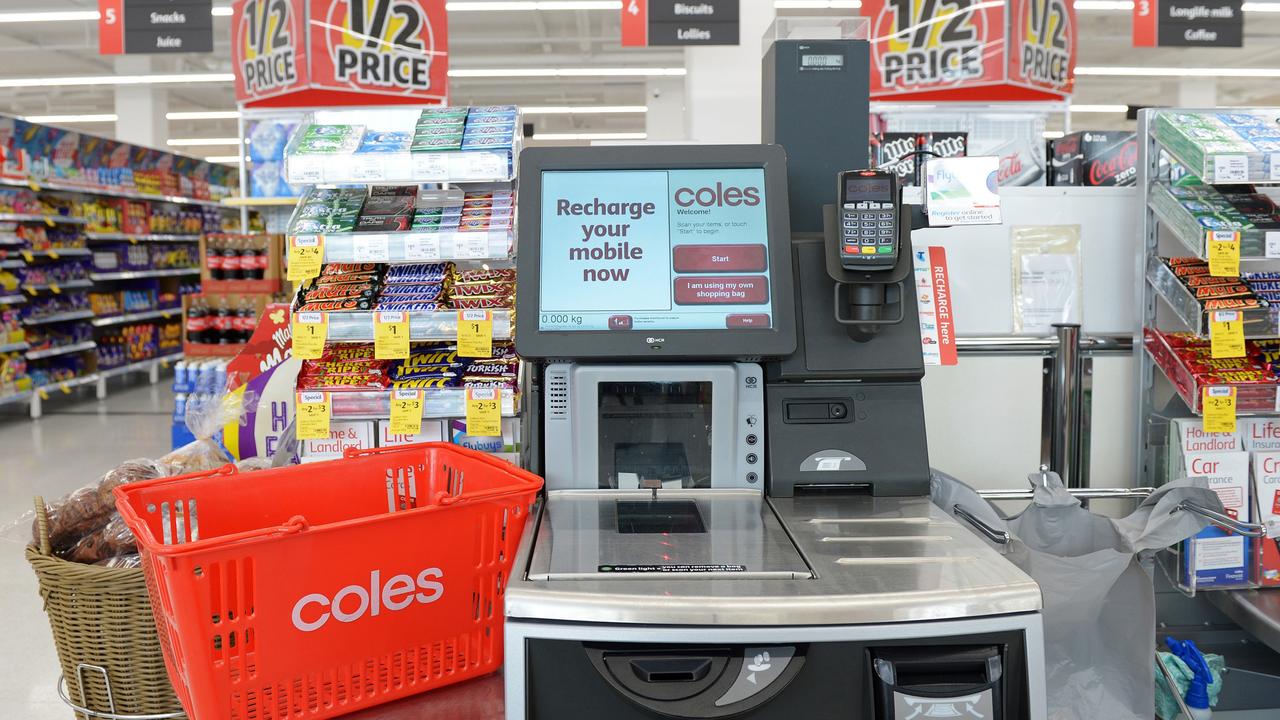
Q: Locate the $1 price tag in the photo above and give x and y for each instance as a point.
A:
(305, 256)
(484, 412)
(406, 412)
(1226, 334)
(475, 333)
(1224, 253)
(310, 329)
(314, 414)
(391, 335)
(1218, 406)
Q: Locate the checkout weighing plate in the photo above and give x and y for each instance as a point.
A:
(686, 534)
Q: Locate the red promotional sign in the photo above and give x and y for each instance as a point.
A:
(635, 23)
(1146, 22)
(971, 50)
(340, 52)
(942, 304)
(268, 49)
(110, 27)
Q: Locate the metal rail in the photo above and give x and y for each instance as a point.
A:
(996, 345)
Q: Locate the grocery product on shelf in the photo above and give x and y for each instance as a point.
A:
(1233, 146)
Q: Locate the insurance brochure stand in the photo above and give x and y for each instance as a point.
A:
(404, 315)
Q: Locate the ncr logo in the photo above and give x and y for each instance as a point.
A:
(353, 602)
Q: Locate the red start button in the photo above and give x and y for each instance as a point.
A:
(747, 320)
(722, 290)
(719, 258)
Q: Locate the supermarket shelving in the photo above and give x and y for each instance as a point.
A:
(61, 350)
(14, 347)
(238, 202)
(48, 219)
(139, 274)
(1184, 226)
(1217, 164)
(403, 247)
(142, 237)
(59, 186)
(1258, 322)
(163, 314)
(59, 317)
(56, 253)
(437, 403)
(14, 299)
(38, 395)
(59, 286)
(354, 327)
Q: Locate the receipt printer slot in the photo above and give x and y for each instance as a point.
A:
(817, 411)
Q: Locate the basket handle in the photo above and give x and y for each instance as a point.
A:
(42, 526)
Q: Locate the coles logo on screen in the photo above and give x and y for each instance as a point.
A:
(314, 610)
(718, 196)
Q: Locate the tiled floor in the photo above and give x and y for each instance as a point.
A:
(72, 445)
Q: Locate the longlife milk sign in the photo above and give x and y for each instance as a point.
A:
(340, 52)
(972, 49)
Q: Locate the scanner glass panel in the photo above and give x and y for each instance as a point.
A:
(654, 433)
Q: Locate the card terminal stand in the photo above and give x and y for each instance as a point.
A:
(736, 520)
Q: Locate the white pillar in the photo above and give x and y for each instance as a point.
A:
(140, 109)
(1198, 92)
(722, 88)
(664, 96)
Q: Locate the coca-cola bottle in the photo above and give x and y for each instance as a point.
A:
(213, 258)
(253, 260)
(242, 324)
(222, 323)
(197, 320)
(231, 260)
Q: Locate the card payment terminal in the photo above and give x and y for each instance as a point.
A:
(868, 220)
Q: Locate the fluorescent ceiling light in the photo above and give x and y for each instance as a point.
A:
(1254, 72)
(460, 6)
(117, 80)
(592, 136)
(1052, 134)
(582, 109)
(79, 15)
(1125, 5)
(104, 117)
(1099, 108)
(203, 115)
(565, 72)
(176, 142)
(225, 159)
(815, 4)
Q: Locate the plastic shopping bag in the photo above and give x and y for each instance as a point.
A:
(1099, 603)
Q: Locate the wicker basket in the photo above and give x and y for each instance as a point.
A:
(105, 635)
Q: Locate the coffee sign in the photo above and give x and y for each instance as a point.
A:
(1188, 23)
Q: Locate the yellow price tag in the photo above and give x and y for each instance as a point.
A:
(53, 254)
(306, 253)
(66, 389)
(1226, 334)
(1218, 406)
(54, 287)
(32, 290)
(475, 333)
(391, 335)
(27, 255)
(484, 412)
(406, 412)
(44, 394)
(314, 414)
(1224, 253)
(310, 330)
(31, 183)
(49, 221)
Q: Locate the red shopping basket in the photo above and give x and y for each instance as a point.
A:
(317, 590)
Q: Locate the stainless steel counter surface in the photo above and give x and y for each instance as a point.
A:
(873, 560)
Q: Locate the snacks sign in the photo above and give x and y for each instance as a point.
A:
(340, 52)
(972, 49)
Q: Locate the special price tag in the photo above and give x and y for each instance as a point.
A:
(406, 412)
(484, 412)
(306, 253)
(310, 330)
(391, 335)
(1226, 334)
(475, 333)
(1224, 253)
(1218, 407)
(314, 414)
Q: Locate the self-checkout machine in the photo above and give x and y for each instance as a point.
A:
(729, 420)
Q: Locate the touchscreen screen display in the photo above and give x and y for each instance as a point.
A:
(646, 250)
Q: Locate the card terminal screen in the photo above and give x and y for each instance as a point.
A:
(653, 250)
(857, 189)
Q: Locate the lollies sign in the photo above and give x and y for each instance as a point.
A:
(340, 52)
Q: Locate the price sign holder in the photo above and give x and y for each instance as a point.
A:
(391, 335)
(310, 330)
(1226, 334)
(406, 412)
(1218, 407)
(1224, 253)
(475, 333)
(306, 253)
(314, 414)
(484, 412)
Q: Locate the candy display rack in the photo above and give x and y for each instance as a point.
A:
(443, 178)
(1182, 151)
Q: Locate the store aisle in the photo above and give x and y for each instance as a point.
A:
(71, 446)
